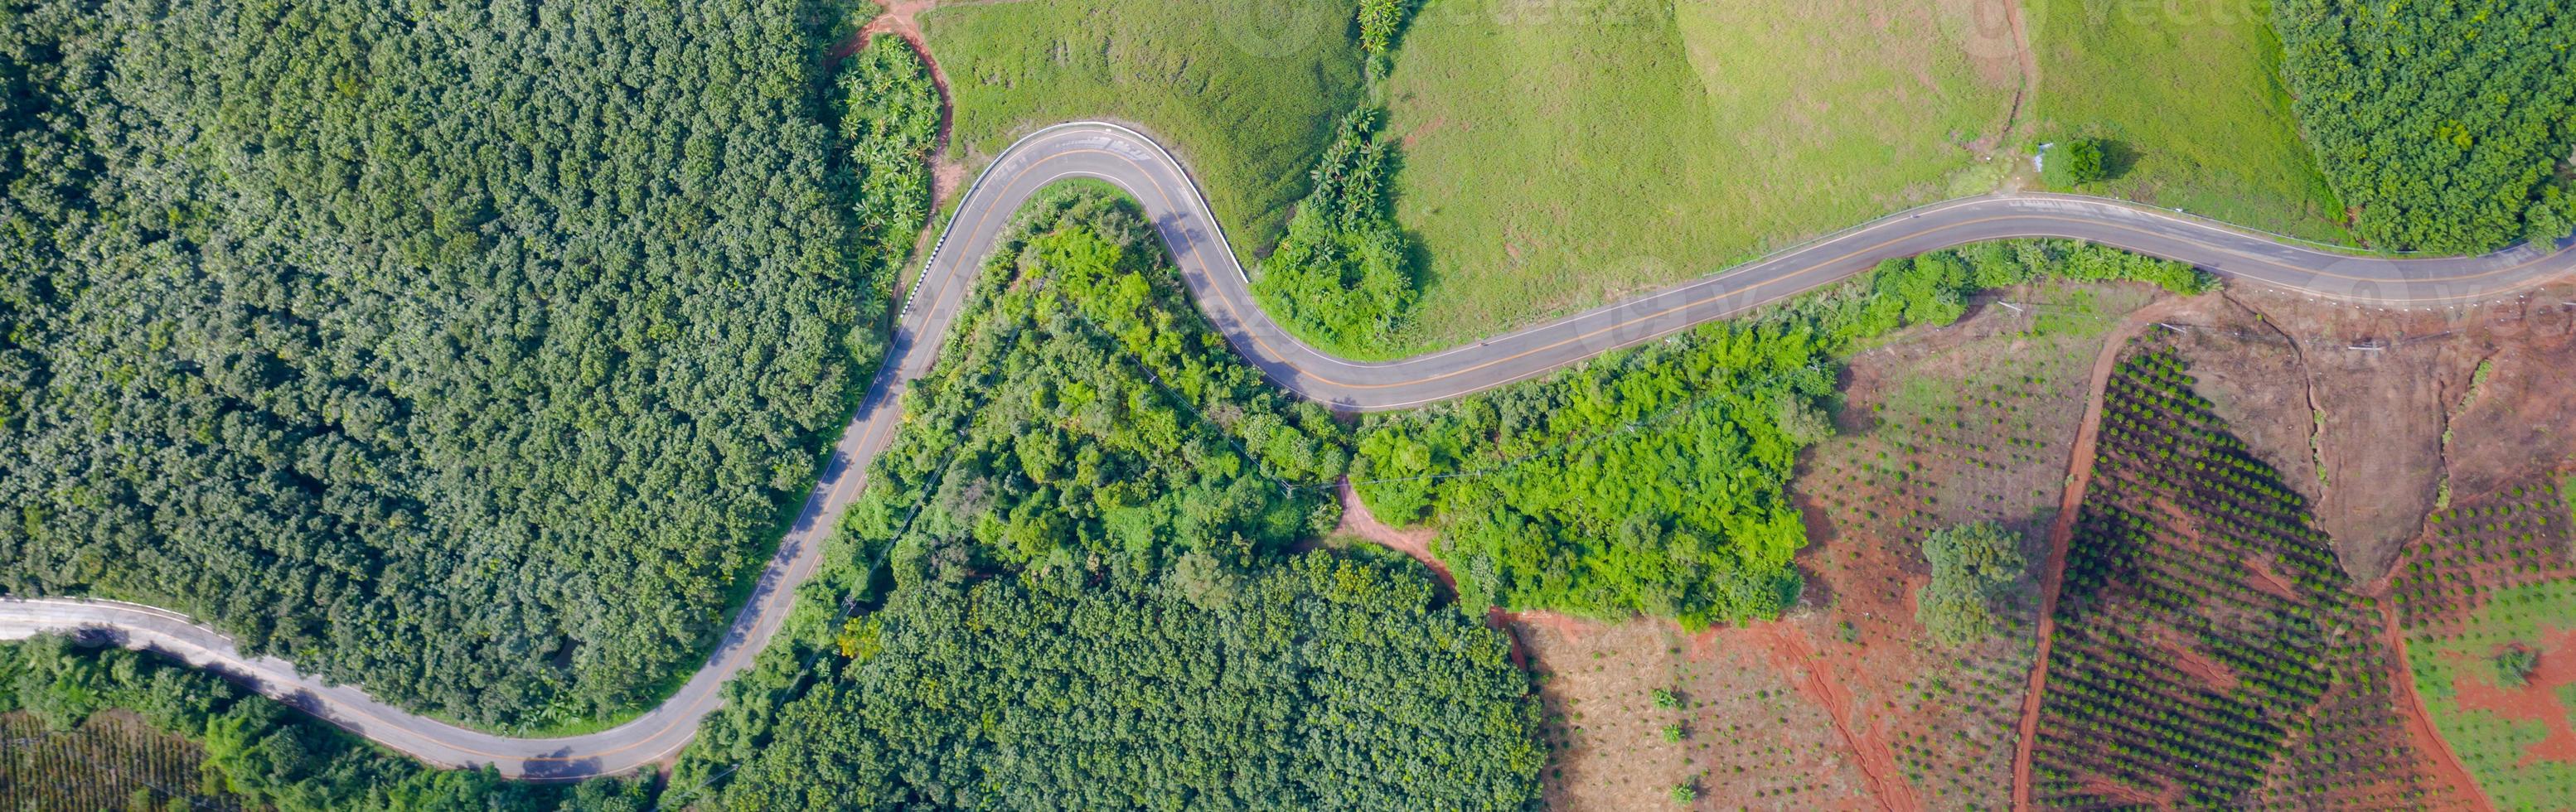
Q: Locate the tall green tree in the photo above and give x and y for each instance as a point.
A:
(1970, 563)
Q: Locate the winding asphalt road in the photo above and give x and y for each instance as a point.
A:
(1179, 211)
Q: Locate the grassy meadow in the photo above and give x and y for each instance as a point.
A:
(2189, 94)
(1558, 154)
(1246, 91)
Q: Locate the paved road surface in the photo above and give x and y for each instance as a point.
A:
(1172, 200)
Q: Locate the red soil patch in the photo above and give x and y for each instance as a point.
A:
(1573, 630)
(2258, 572)
(2439, 759)
(2536, 701)
(2198, 665)
(1790, 651)
(1415, 542)
(2170, 798)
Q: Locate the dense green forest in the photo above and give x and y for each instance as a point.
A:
(1319, 683)
(468, 351)
(1085, 529)
(1654, 480)
(262, 753)
(2440, 124)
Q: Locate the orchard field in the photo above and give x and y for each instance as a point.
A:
(2493, 580)
(2208, 649)
(111, 761)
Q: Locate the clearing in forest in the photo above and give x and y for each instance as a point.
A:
(1846, 703)
(1941, 426)
(1557, 154)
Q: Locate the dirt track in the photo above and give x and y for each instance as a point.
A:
(1790, 651)
(2061, 532)
(2445, 764)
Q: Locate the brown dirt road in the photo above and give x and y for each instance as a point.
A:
(1791, 652)
(1415, 542)
(2061, 532)
(2445, 764)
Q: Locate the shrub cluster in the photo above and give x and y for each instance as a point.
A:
(1654, 480)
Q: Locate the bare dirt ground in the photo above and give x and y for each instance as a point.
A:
(1863, 734)
(2370, 404)
(1753, 732)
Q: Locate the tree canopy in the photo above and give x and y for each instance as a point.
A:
(1343, 275)
(2074, 162)
(470, 352)
(2439, 124)
(1083, 412)
(1654, 480)
(1088, 519)
(1970, 562)
(1321, 683)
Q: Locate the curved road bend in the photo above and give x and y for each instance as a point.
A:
(1178, 210)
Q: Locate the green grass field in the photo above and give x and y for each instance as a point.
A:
(2455, 673)
(1245, 91)
(2189, 93)
(1559, 154)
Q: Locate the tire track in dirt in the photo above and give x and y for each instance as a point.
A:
(2025, 61)
(1790, 651)
(2444, 763)
(2061, 532)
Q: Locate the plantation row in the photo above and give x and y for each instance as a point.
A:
(2352, 751)
(106, 763)
(2207, 651)
(2517, 537)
